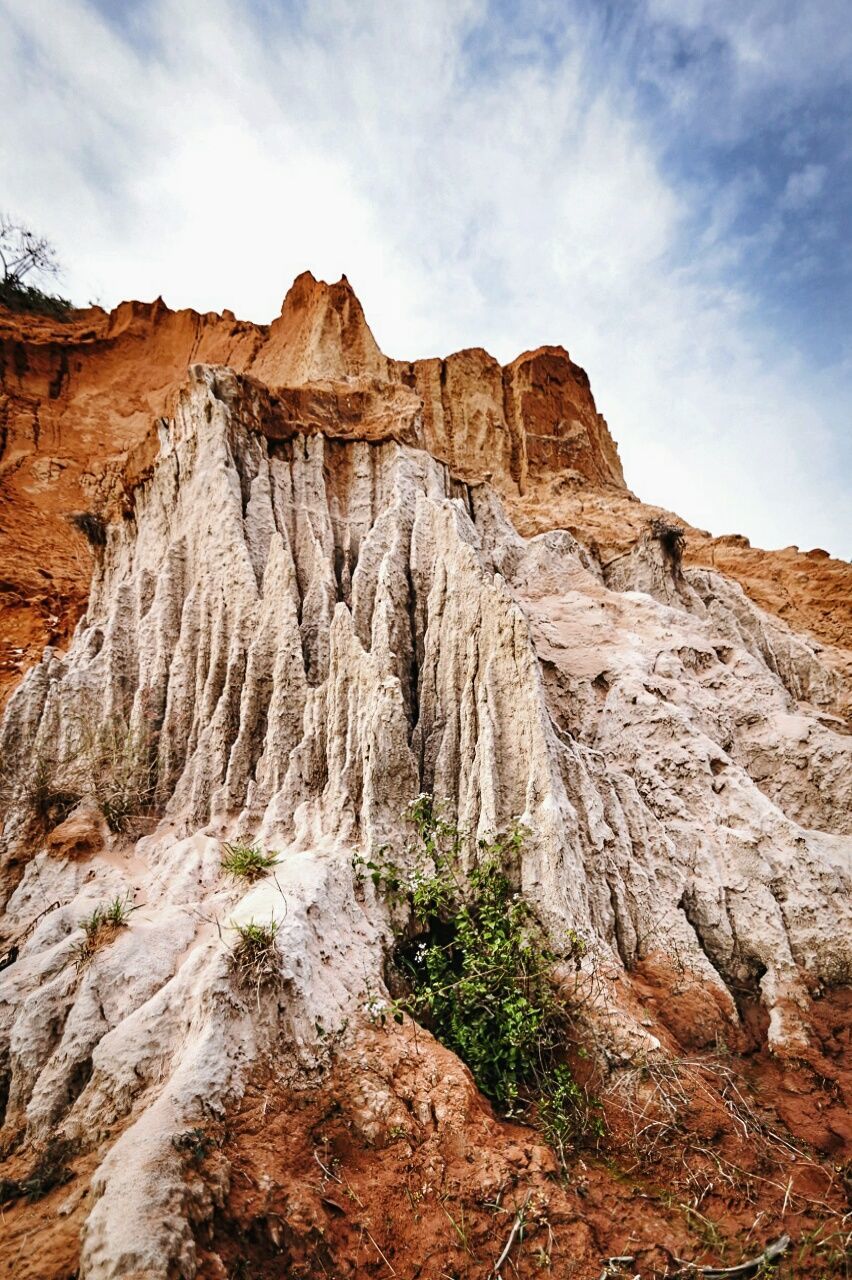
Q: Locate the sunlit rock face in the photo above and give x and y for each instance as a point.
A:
(311, 604)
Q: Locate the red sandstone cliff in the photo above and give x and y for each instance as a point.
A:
(79, 402)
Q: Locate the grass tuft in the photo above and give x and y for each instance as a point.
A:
(47, 801)
(121, 763)
(101, 927)
(245, 860)
(255, 956)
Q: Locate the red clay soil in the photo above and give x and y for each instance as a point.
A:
(40, 1234)
(395, 1165)
(389, 1163)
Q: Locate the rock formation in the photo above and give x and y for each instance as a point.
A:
(323, 581)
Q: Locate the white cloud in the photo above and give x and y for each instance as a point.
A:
(803, 187)
(773, 42)
(525, 204)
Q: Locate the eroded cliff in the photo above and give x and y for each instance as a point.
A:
(79, 402)
(323, 582)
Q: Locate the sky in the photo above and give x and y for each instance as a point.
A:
(664, 187)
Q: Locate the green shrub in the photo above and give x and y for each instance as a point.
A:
(245, 860)
(26, 297)
(480, 973)
(195, 1144)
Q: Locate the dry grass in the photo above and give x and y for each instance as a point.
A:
(254, 955)
(121, 766)
(655, 1101)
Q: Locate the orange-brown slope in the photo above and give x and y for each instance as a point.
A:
(79, 401)
(709, 1162)
(76, 398)
(389, 1162)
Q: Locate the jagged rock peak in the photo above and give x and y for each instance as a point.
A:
(321, 334)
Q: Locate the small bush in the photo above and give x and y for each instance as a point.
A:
(101, 927)
(244, 860)
(255, 955)
(50, 1170)
(480, 973)
(92, 526)
(196, 1144)
(120, 764)
(27, 298)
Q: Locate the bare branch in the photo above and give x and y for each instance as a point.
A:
(23, 252)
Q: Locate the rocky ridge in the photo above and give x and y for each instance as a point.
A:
(309, 603)
(79, 403)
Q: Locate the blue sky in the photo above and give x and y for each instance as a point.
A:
(663, 186)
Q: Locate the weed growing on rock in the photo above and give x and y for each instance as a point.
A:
(671, 538)
(49, 803)
(121, 766)
(565, 1112)
(92, 526)
(480, 973)
(195, 1144)
(50, 1170)
(100, 928)
(254, 954)
(244, 860)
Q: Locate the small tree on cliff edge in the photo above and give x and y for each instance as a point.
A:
(24, 256)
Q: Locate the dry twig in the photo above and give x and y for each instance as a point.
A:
(516, 1227)
(752, 1267)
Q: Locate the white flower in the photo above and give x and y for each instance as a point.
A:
(376, 1006)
